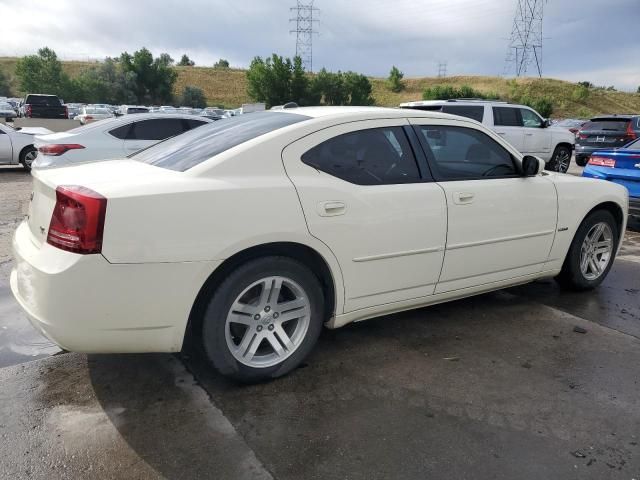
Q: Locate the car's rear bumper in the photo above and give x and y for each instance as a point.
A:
(586, 151)
(83, 303)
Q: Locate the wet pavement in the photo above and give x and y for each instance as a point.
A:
(497, 386)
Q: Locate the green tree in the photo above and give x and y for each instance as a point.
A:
(269, 80)
(447, 92)
(185, 61)
(221, 64)
(586, 84)
(5, 90)
(153, 78)
(330, 87)
(395, 80)
(358, 88)
(299, 86)
(106, 82)
(193, 97)
(41, 73)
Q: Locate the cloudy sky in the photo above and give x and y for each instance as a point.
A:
(591, 40)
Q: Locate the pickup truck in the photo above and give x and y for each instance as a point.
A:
(43, 106)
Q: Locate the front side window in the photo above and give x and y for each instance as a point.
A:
(375, 156)
(530, 119)
(458, 153)
(507, 117)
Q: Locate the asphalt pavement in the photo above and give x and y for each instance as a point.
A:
(525, 383)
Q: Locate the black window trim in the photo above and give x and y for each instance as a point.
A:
(434, 170)
(415, 149)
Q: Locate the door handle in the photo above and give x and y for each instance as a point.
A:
(501, 133)
(331, 209)
(529, 134)
(463, 198)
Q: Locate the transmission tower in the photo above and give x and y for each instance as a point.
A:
(525, 45)
(305, 22)
(442, 69)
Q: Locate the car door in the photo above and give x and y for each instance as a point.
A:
(145, 133)
(507, 122)
(6, 149)
(363, 195)
(501, 225)
(537, 138)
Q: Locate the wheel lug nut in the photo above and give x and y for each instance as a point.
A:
(256, 316)
(276, 314)
(270, 327)
(259, 328)
(267, 308)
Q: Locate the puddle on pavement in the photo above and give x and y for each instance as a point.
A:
(19, 341)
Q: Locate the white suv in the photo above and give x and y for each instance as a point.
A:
(519, 125)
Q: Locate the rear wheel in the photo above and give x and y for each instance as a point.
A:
(27, 156)
(263, 320)
(591, 254)
(581, 161)
(560, 160)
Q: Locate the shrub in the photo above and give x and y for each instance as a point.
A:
(580, 93)
(193, 97)
(447, 92)
(395, 80)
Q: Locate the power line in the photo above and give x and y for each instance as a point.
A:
(525, 45)
(305, 23)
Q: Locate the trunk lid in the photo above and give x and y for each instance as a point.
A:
(604, 133)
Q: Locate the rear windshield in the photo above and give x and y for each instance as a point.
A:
(137, 110)
(46, 100)
(184, 151)
(613, 124)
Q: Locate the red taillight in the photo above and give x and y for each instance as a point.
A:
(77, 222)
(630, 133)
(581, 136)
(56, 149)
(88, 117)
(602, 162)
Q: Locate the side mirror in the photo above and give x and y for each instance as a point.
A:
(546, 123)
(531, 165)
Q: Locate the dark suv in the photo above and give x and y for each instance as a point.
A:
(605, 132)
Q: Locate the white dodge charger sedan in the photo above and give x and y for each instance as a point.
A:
(255, 231)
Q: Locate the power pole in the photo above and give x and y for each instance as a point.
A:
(305, 22)
(442, 69)
(525, 45)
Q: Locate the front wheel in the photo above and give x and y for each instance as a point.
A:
(591, 254)
(560, 160)
(263, 320)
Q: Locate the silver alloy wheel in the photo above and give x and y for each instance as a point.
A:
(267, 322)
(596, 251)
(29, 157)
(563, 159)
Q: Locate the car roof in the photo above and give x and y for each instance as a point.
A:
(454, 101)
(625, 116)
(358, 112)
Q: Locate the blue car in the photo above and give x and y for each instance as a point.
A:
(622, 166)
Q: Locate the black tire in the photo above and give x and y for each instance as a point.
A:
(581, 161)
(214, 321)
(555, 164)
(26, 164)
(571, 277)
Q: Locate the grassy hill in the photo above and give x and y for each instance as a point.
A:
(228, 88)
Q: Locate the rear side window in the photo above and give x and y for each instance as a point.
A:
(200, 144)
(376, 156)
(507, 117)
(121, 132)
(156, 129)
(474, 112)
(612, 124)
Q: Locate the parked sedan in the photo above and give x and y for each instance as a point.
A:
(111, 138)
(91, 114)
(255, 231)
(605, 133)
(7, 111)
(16, 145)
(621, 166)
